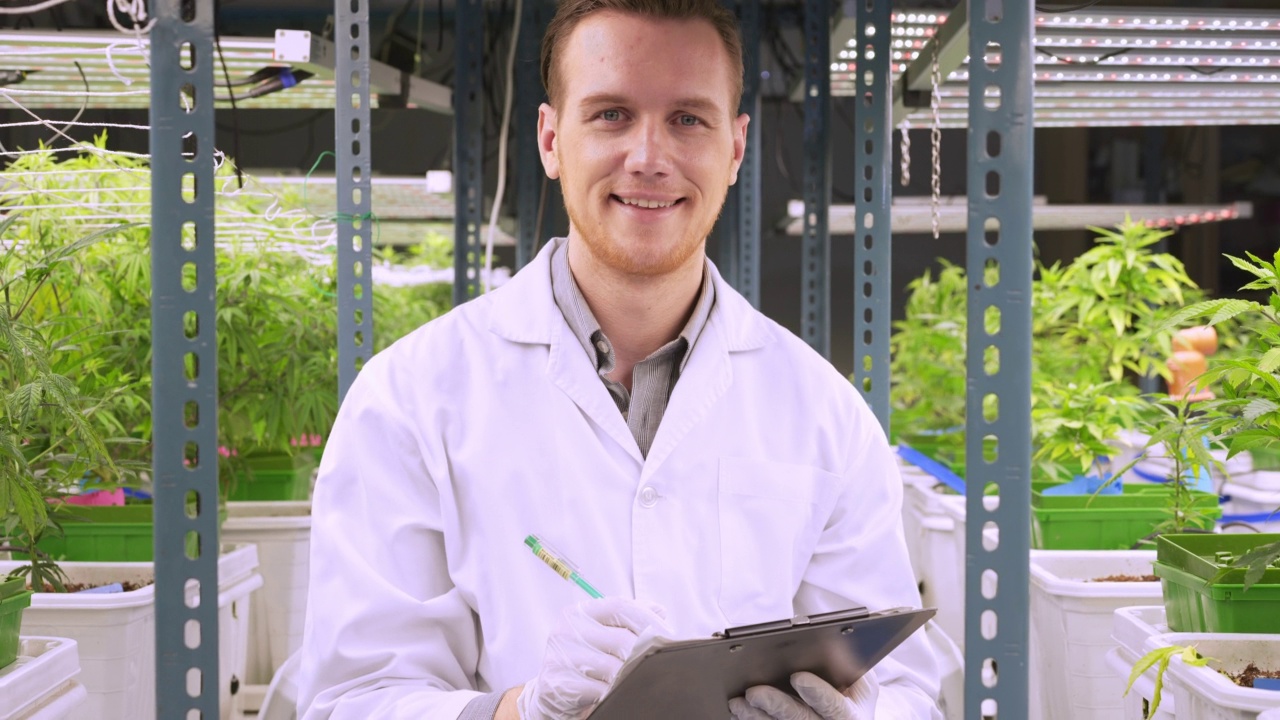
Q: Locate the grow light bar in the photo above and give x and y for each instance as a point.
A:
(1098, 54)
(914, 215)
(41, 71)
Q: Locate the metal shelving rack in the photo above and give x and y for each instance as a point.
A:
(1006, 22)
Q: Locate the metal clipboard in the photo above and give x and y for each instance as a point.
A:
(696, 678)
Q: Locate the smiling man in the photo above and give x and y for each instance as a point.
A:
(704, 467)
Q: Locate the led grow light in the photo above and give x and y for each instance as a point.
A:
(912, 216)
(117, 76)
(1097, 54)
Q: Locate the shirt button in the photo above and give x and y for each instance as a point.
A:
(648, 497)
(603, 346)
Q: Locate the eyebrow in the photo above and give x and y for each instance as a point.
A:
(699, 104)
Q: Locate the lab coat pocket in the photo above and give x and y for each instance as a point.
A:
(771, 515)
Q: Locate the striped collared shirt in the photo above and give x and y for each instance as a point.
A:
(652, 379)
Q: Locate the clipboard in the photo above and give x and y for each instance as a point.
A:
(696, 678)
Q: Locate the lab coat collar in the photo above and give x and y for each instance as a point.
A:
(524, 310)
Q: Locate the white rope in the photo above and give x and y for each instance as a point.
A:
(935, 138)
(27, 9)
(77, 124)
(71, 93)
(78, 148)
(502, 151)
(136, 10)
(905, 132)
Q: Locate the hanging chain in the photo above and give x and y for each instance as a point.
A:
(935, 139)
(905, 130)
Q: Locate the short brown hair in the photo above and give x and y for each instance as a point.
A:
(571, 12)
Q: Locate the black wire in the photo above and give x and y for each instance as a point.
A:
(439, 26)
(235, 113)
(1074, 8)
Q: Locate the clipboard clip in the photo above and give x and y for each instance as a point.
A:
(797, 621)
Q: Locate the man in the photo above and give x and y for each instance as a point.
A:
(704, 467)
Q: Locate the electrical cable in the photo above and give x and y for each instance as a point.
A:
(84, 102)
(1074, 8)
(502, 149)
(235, 113)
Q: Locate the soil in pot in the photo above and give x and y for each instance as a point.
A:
(1251, 673)
(78, 587)
(1126, 578)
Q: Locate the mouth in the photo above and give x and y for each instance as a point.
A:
(647, 204)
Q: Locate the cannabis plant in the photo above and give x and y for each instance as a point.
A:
(1247, 411)
(50, 435)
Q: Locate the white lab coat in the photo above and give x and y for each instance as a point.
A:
(768, 491)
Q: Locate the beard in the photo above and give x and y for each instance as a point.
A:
(649, 253)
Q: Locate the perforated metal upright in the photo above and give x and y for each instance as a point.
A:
(468, 148)
(184, 361)
(354, 187)
(872, 256)
(534, 16)
(815, 271)
(998, 426)
(746, 253)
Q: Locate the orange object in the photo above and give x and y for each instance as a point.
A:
(1186, 366)
(1203, 339)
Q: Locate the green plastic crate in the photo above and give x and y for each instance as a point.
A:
(106, 533)
(12, 586)
(1265, 458)
(1106, 522)
(1186, 564)
(103, 533)
(10, 622)
(273, 477)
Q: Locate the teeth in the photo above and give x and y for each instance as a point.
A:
(647, 203)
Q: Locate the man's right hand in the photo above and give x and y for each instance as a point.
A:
(584, 653)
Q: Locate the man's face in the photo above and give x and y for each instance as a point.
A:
(644, 140)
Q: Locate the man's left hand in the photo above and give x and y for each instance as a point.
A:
(818, 700)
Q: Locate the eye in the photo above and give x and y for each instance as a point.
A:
(611, 115)
(689, 120)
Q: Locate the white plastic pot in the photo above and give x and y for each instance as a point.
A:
(44, 682)
(282, 532)
(1260, 508)
(1071, 629)
(1203, 693)
(116, 632)
(934, 542)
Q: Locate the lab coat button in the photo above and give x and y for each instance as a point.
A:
(648, 497)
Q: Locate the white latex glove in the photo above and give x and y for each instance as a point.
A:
(584, 653)
(821, 701)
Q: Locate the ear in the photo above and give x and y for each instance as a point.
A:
(739, 144)
(547, 141)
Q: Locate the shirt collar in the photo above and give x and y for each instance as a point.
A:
(582, 322)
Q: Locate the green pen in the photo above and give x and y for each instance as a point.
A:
(560, 564)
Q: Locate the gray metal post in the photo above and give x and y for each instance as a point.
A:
(468, 148)
(534, 16)
(355, 221)
(998, 426)
(747, 254)
(872, 142)
(727, 225)
(727, 228)
(184, 365)
(815, 270)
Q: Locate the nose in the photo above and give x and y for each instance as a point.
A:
(650, 151)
